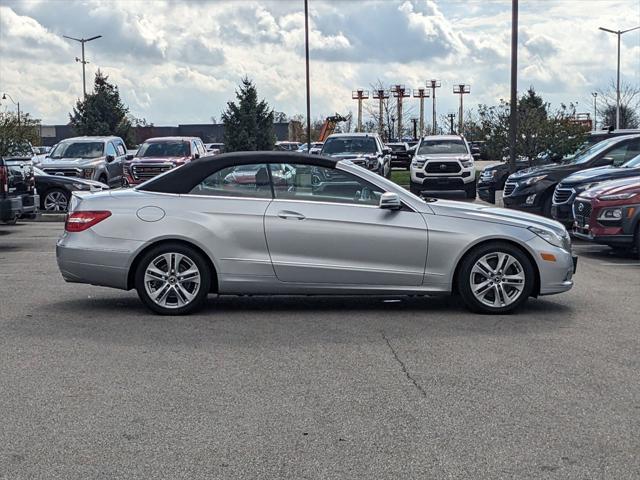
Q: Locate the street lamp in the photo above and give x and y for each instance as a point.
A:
(17, 104)
(619, 34)
(82, 41)
(306, 53)
(595, 110)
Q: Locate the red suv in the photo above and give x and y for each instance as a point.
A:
(157, 155)
(610, 214)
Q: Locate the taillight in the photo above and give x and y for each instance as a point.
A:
(80, 221)
(4, 180)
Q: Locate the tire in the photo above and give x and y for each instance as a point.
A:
(11, 221)
(415, 188)
(103, 179)
(55, 200)
(176, 297)
(496, 297)
(470, 190)
(637, 241)
(546, 206)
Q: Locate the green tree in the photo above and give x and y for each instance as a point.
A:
(15, 134)
(539, 130)
(248, 124)
(102, 112)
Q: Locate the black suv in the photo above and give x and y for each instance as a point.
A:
(493, 177)
(532, 189)
(572, 186)
(400, 155)
(18, 195)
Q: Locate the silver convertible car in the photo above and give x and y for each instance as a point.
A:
(288, 223)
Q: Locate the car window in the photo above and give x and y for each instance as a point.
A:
(236, 181)
(619, 154)
(320, 184)
(121, 150)
(78, 150)
(341, 145)
(164, 149)
(633, 149)
(111, 149)
(442, 147)
(201, 150)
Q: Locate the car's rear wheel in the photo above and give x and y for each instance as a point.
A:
(56, 200)
(173, 279)
(495, 278)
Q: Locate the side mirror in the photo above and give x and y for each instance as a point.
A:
(386, 151)
(110, 158)
(196, 156)
(390, 201)
(606, 161)
(129, 157)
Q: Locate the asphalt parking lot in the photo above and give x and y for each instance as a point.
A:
(93, 386)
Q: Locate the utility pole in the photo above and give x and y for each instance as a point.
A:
(414, 121)
(421, 93)
(513, 104)
(595, 111)
(451, 117)
(381, 95)
(359, 95)
(400, 92)
(306, 52)
(433, 84)
(82, 41)
(17, 104)
(462, 90)
(619, 34)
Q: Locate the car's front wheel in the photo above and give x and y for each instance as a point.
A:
(495, 278)
(470, 190)
(173, 279)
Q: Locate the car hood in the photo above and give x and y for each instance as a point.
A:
(613, 186)
(159, 160)
(543, 170)
(600, 174)
(350, 156)
(485, 213)
(69, 162)
(70, 180)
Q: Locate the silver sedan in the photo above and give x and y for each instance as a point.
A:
(287, 223)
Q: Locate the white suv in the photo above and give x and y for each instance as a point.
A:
(443, 162)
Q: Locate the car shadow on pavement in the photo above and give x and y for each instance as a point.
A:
(283, 319)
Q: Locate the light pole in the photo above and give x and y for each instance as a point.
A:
(17, 104)
(82, 41)
(306, 53)
(513, 103)
(433, 84)
(359, 95)
(619, 34)
(595, 110)
(461, 89)
(421, 93)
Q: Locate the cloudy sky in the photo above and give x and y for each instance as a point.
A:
(179, 61)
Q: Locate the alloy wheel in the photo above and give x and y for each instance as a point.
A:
(172, 280)
(56, 201)
(497, 279)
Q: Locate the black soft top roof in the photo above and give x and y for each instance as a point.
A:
(183, 179)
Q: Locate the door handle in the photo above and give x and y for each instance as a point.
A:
(286, 214)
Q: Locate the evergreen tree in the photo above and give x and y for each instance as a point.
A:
(102, 112)
(248, 124)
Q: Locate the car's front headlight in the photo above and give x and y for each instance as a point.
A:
(618, 196)
(532, 180)
(549, 236)
(80, 186)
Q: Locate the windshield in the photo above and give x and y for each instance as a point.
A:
(586, 155)
(442, 147)
(340, 145)
(633, 163)
(397, 148)
(78, 150)
(164, 149)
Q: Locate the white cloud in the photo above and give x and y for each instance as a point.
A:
(180, 61)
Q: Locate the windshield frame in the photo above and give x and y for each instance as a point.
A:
(146, 145)
(349, 140)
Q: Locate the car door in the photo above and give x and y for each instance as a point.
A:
(121, 155)
(324, 226)
(112, 166)
(231, 204)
